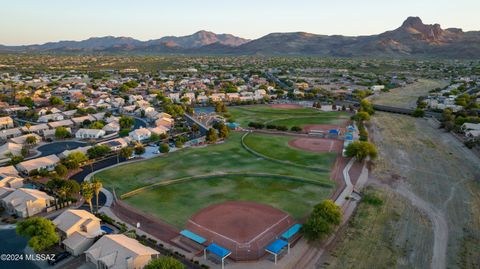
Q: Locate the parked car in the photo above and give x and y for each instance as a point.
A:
(59, 257)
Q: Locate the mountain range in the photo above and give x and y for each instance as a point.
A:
(412, 39)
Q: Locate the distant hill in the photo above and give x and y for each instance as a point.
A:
(412, 39)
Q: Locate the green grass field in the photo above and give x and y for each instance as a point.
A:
(176, 203)
(288, 117)
(217, 176)
(277, 147)
(228, 157)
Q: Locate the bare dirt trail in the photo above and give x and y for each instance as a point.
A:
(439, 223)
(435, 173)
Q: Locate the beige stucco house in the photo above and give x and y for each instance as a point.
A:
(78, 230)
(117, 251)
(26, 202)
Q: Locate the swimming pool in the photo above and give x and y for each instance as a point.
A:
(106, 229)
(30, 186)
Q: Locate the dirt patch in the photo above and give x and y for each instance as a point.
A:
(244, 228)
(286, 106)
(149, 224)
(317, 144)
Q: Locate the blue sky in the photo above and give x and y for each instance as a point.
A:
(39, 21)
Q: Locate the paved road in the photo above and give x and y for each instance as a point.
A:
(59, 147)
(96, 166)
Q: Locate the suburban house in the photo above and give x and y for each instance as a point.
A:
(78, 230)
(10, 133)
(62, 123)
(48, 162)
(14, 149)
(51, 117)
(111, 127)
(11, 181)
(67, 152)
(9, 170)
(23, 138)
(26, 202)
(5, 191)
(167, 122)
(6, 122)
(120, 252)
(39, 128)
(159, 130)
(89, 133)
(116, 144)
(140, 134)
(50, 133)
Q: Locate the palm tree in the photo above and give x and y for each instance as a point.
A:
(87, 193)
(28, 125)
(97, 186)
(62, 192)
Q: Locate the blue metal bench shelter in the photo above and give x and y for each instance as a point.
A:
(276, 247)
(219, 251)
(193, 236)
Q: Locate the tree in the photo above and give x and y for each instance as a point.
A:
(220, 107)
(61, 132)
(366, 106)
(31, 140)
(98, 151)
(223, 131)
(178, 144)
(61, 170)
(74, 160)
(361, 116)
(322, 221)
(164, 148)
(126, 122)
(126, 152)
(165, 262)
(139, 149)
(41, 232)
(54, 101)
(87, 193)
(418, 113)
(28, 126)
(195, 128)
(212, 135)
(97, 125)
(296, 129)
(361, 150)
(14, 159)
(97, 186)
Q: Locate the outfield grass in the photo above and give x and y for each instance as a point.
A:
(303, 116)
(178, 202)
(331, 118)
(277, 147)
(228, 157)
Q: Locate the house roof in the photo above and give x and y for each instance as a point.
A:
(39, 162)
(114, 248)
(72, 219)
(21, 195)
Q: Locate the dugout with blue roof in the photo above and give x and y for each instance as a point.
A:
(276, 248)
(333, 131)
(192, 236)
(218, 251)
(291, 231)
(233, 125)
